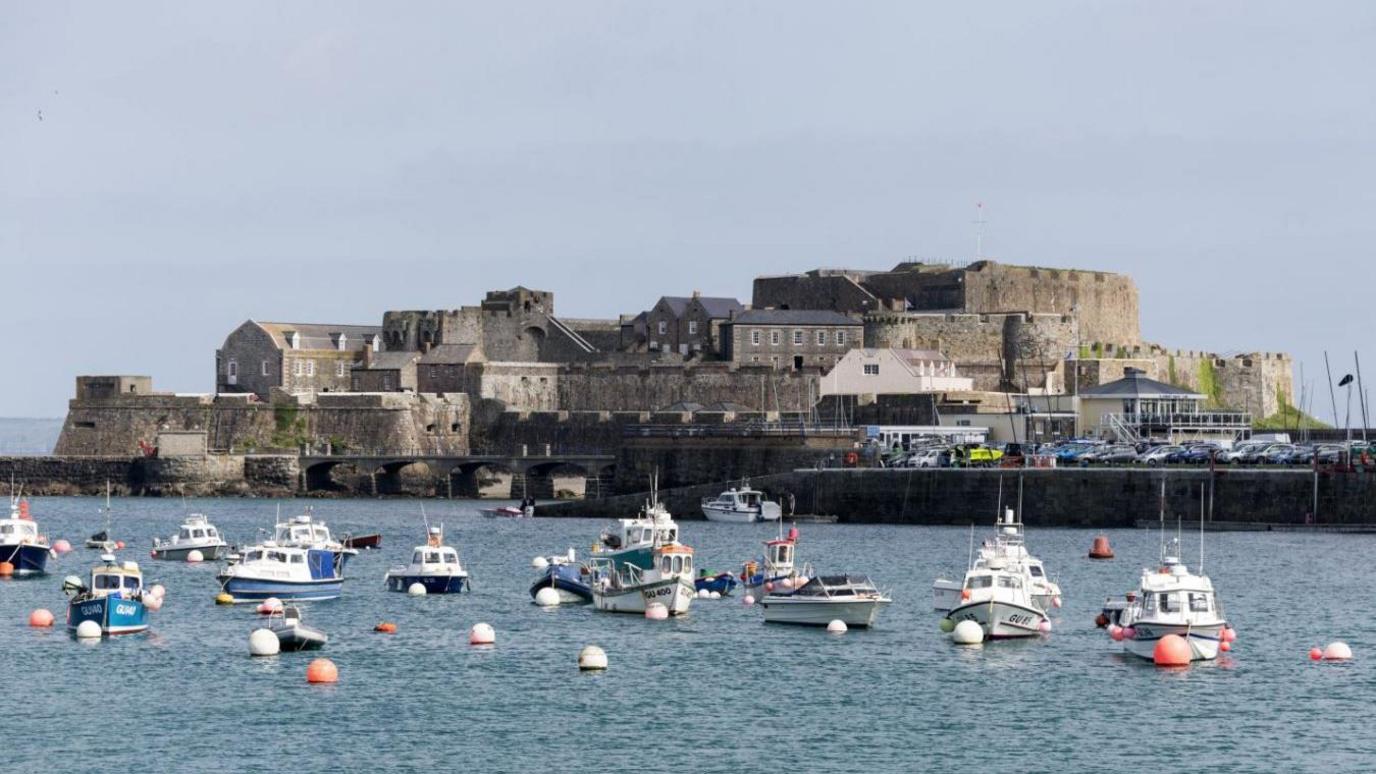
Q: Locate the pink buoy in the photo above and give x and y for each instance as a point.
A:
(1230, 634)
(62, 547)
(119, 544)
(748, 600)
(153, 602)
(1115, 633)
(1316, 654)
(1044, 627)
(1337, 651)
(1225, 646)
(1056, 601)
(41, 618)
(769, 586)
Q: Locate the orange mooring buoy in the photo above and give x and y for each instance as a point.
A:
(1101, 548)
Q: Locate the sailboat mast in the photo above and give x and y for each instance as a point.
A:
(1201, 529)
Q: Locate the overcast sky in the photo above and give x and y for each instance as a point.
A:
(168, 171)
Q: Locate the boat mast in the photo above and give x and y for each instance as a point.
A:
(1201, 529)
(1161, 516)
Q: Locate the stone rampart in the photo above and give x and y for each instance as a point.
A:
(1256, 382)
(998, 351)
(595, 387)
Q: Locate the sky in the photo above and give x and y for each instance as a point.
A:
(168, 171)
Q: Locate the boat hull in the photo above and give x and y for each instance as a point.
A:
(768, 512)
(179, 553)
(114, 614)
(257, 590)
(1001, 620)
(27, 558)
(434, 584)
(298, 638)
(363, 542)
(1203, 640)
(567, 580)
(788, 609)
(676, 594)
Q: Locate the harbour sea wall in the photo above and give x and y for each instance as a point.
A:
(1096, 498)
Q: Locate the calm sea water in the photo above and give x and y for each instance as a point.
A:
(715, 691)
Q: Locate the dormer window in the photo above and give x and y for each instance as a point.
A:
(294, 340)
(376, 343)
(342, 342)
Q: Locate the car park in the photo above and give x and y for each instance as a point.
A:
(1159, 455)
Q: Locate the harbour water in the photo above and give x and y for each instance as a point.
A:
(714, 691)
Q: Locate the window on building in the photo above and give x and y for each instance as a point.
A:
(821, 338)
(310, 368)
(265, 368)
(797, 338)
(871, 369)
(296, 367)
(775, 337)
(339, 368)
(295, 340)
(343, 342)
(692, 327)
(663, 327)
(840, 338)
(233, 368)
(755, 338)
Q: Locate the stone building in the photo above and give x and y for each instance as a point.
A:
(444, 369)
(385, 372)
(688, 325)
(297, 357)
(516, 324)
(893, 372)
(790, 338)
(1104, 304)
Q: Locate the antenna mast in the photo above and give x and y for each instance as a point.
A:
(979, 230)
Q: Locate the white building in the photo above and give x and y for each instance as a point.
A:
(893, 372)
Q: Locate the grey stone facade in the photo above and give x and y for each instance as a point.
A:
(258, 357)
(687, 326)
(790, 339)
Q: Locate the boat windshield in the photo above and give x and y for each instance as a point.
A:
(105, 582)
(185, 533)
(210, 532)
(432, 557)
(1036, 570)
(1009, 582)
(418, 557)
(253, 556)
(1199, 602)
(131, 583)
(979, 582)
(276, 556)
(450, 556)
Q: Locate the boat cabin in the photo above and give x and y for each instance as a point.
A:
(190, 533)
(675, 560)
(434, 555)
(275, 554)
(740, 499)
(302, 530)
(778, 556)
(17, 531)
(113, 578)
(639, 532)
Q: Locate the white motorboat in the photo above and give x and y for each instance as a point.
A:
(1009, 547)
(302, 561)
(21, 544)
(826, 598)
(508, 512)
(434, 565)
(195, 534)
(1172, 600)
(624, 587)
(632, 541)
(998, 596)
(292, 633)
(743, 505)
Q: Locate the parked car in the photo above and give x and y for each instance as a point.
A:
(1160, 455)
(1201, 453)
(1276, 454)
(930, 458)
(1237, 453)
(1072, 452)
(1110, 455)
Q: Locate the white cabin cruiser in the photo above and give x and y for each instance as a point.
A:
(624, 587)
(434, 565)
(1172, 600)
(195, 534)
(821, 600)
(998, 596)
(1009, 548)
(632, 541)
(743, 505)
(21, 544)
(302, 561)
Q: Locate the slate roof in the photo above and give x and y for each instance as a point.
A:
(389, 361)
(318, 336)
(1136, 385)
(718, 308)
(793, 317)
(450, 354)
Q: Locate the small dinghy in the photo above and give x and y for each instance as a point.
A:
(507, 512)
(293, 633)
(722, 583)
(372, 540)
(563, 574)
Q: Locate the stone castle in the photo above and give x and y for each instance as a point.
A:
(441, 380)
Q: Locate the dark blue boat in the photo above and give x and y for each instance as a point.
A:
(565, 578)
(20, 543)
(27, 558)
(722, 583)
(435, 566)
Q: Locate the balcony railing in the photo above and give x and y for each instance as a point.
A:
(1221, 420)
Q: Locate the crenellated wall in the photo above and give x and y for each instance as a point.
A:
(1256, 382)
(998, 351)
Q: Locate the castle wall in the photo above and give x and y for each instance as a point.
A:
(836, 292)
(1257, 382)
(115, 426)
(997, 351)
(519, 386)
(596, 387)
(1106, 304)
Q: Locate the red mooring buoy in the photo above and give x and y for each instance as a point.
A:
(1101, 549)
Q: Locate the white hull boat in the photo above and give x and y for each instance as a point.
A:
(676, 594)
(1001, 620)
(195, 534)
(822, 600)
(1203, 640)
(740, 506)
(627, 588)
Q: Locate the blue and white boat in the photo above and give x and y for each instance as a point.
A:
(565, 575)
(113, 599)
(434, 565)
(20, 543)
(302, 562)
(722, 583)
